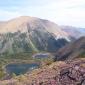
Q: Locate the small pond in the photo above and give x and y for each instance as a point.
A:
(21, 68)
(41, 55)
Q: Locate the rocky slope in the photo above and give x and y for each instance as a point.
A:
(72, 50)
(30, 34)
(58, 73)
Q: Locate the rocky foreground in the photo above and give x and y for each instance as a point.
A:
(58, 73)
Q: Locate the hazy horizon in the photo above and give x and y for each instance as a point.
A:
(62, 12)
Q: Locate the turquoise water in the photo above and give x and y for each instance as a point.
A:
(20, 68)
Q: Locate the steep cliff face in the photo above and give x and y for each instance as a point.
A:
(30, 34)
(58, 73)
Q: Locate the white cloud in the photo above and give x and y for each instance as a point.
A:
(66, 12)
(6, 15)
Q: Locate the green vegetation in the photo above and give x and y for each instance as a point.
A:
(2, 74)
(47, 61)
(13, 75)
(82, 55)
(17, 56)
(7, 58)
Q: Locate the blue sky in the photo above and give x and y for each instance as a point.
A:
(62, 12)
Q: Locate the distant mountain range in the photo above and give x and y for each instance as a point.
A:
(30, 34)
(74, 32)
(73, 50)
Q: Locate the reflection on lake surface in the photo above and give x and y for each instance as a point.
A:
(20, 68)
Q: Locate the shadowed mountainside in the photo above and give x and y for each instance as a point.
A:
(72, 50)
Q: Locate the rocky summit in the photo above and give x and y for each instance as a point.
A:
(58, 73)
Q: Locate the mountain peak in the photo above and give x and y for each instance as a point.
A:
(23, 23)
(31, 33)
(16, 24)
(24, 18)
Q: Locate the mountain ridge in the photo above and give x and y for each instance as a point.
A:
(71, 50)
(74, 31)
